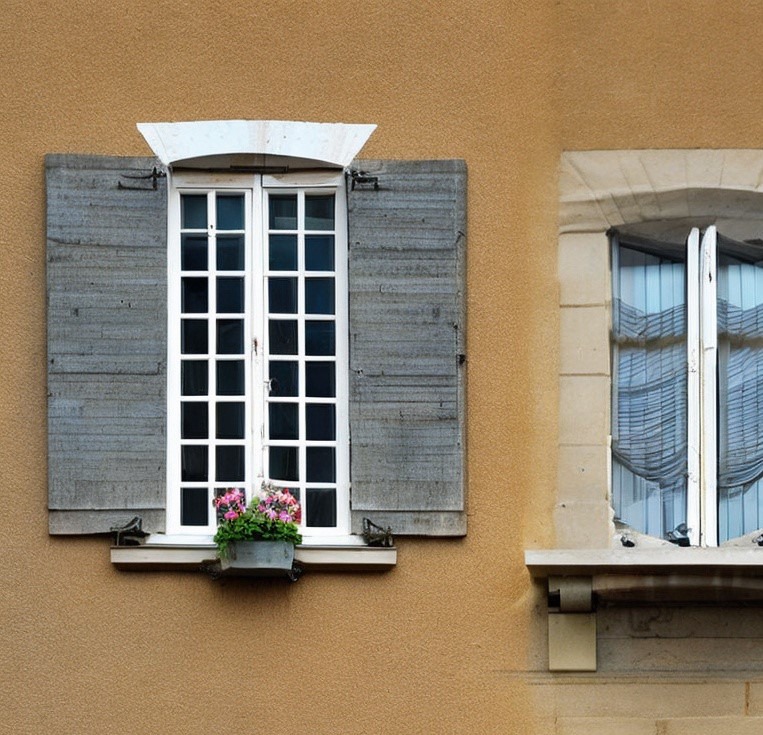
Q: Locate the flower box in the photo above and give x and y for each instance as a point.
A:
(259, 558)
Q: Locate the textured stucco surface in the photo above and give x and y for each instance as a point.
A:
(452, 639)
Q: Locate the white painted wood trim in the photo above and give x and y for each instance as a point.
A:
(335, 144)
(693, 356)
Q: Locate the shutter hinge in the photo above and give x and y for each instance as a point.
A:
(130, 534)
(361, 178)
(376, 535)
(154, 176)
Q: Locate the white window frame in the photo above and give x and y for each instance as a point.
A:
(255, 337)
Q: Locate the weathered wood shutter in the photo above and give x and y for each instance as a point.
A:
(107, 322)
(407, 275)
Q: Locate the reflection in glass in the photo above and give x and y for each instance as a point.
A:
(283, 336)
(282, 295)
(194, 464)
(230, 252)
(194, 377)
(319, 338)
(284, 421)
(230, 378)
(230, 420)
(284, 378)
(321, 507)
(194, 420)
(193, 252)
(319, 212)
(193, 295)
(194, 508)
(283, 211)
(320, 379)
(319, 252)
(319, 295)
(321, 464)
(230, 211)
(230, 336)
(320, 421)
(230, 463)
(230, 295)
(193, 336)
(193, 211)
(282, 255)
(283, 463)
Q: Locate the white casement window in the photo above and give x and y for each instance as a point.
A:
(687, 408)
(257, 335)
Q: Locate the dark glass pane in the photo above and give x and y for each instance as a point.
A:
(319, 212)
(230, 420)
(193, 336)
(230, 295)
(282, 255)
(284, 421)
(194, 508)
(320, 421)
(193, 295)
(283, 212)
(230, 336)
(283, 337)
(194, 377)
(319, 252)
(320, 378)
(194, 421)
(230, 211)
(284, 378)
(319, 295)
(193, 252)
(319, 338)
(230, 378)
(193, 211)
(321, 464)
(194, 464)
(284, 463)
(321, 507)
(282, 295)
(230, 252)
(230, 464)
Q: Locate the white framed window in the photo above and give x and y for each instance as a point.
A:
(687, 405)
(257, 344)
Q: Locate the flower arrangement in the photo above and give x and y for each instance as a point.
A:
(273, 515)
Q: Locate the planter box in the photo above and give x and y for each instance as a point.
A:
(259, 558)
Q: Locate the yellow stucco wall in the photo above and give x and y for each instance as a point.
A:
(452, 639)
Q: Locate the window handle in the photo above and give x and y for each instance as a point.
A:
(272, 385)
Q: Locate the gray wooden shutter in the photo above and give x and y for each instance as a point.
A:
(107, 323)
(407, 322)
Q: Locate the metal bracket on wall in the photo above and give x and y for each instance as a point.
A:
(153, 176)
(361, 178)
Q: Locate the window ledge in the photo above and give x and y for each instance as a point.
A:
(658, 574)
(189, 556)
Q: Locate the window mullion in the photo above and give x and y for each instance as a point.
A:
(693, 353)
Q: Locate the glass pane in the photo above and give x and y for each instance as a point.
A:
(193, 211)
(283, 337)
(230, 211)
(319, 252)
(230, 378)
(194, 377)
(194, 508)
(321, 379)
(319, 338)
(230, 336)
(194, 464)
(284, 421)
(319, 295)
(282, 295)
(230, 295)
(193, 336)
(319, 212)
(321, 464)
(283, 211)
(283, 463)
(321, 507)
(282, 255)
(230, 464)
(194, 421)
(230, 420)
(320, 421)
(230, 252)
(193, 295)
(193, 252)
(284, 378)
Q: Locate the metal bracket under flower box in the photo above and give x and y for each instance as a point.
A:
(258, 559)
